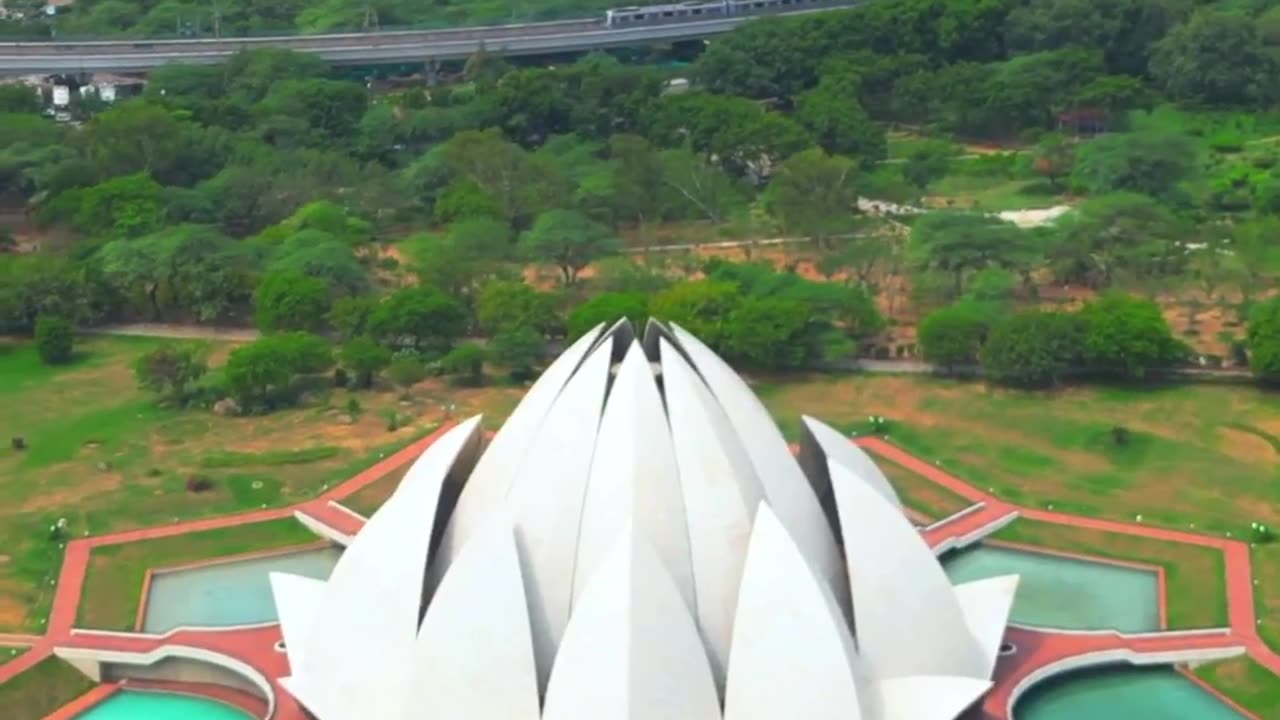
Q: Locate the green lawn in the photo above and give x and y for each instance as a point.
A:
(106, 456)
(113, 587)
(924, 496)
(42, 689)
(992, 194)
(1246, 682)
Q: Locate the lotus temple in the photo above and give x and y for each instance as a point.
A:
(637, 541)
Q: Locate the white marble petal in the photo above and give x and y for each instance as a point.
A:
(297, 600)
(929, 698)
(902, 599)
(842, 450)
(792, 653)
(634, 479)
(474, 654)
(784, 484)
(361, 638)
(546, 501)
(986, 605)
(721, 493)
(631, 651)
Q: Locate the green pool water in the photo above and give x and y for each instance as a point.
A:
(132, 705)
(232, 593)
(1122, 694)
(1064, 592)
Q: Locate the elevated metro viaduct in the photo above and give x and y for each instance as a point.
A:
(386, 47)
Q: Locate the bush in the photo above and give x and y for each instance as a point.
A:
(54, 339)
(952, 336)
(1264, 341)
(1032, 349)
(406, 371)
(467, 362)
(1126, 337)
(172, 371)
(260, 375)
(199, 484)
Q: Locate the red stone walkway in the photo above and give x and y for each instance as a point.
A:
(75, 562)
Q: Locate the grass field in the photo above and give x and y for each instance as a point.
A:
(113, 587)
(107, 457)
(369, 498)
(42, 689)
(1249, 684)
(929, 499)
(1194, 575)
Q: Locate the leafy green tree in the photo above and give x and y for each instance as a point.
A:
(1217, 58)
(1027, 91)
(770, 332)
(835, 117)
(464, 199)
(319, 255)
(698, 188)
(927, 163)
(744, 139)
(125, 206)
(569, 240)
(1127, 337)
(467, 361)
(140, 137)
(365, 359)
(638, 179)
(460, 262)
(55, 339)
(511, 304)
(1149, 163)
(350, 315)
(171, 370)
(1264, 341)
(259, 374)
(329, 109)
(290, 301)
(608, 308)
(521, 184)
(813, 193)
(1117, 234)
(951, 337)
(1033, 349)
(19, 98)
(34, 285)
(422, 318)
(1052, 158)
(519, 349)
(959, 244)
(1252, 244)
(702, 307)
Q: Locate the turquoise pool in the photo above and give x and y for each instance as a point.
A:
(1064, 592)
(1122, 694)
(230, 593)
(132, 705)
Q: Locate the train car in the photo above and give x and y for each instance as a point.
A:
(692, 11)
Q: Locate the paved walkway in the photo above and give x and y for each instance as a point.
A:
(1239, 571)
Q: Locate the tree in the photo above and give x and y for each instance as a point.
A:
(638, 179)
(927, 163)
(952, 336)
(140, 137)
(1151, 163)
(770, 333)
(125, 206)
(702, 307)
(521, 184)
(835, 117)
(1052, 158)
(1127, 337)
(1264, 341)
(1032, 349)
(55, 339)
(329, 109)
(519, 349)
(259, 375)
(1252, 244)
(466, 360)
(961, 243)
(364, 358)
(743, 138)
(18, 98)
(350, 315)
(422, 318)
(700, 188)
(1117, 234)
(289, 301)
(511, 304)
(460, 262)
(813, 194)
(1216, 58)
(608, 308)
(569, 240)
(171, 370)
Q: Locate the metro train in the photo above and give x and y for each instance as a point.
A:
(695, 10)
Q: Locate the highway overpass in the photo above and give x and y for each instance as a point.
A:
(49, 57)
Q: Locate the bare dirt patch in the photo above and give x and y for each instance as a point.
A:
(1245, 446)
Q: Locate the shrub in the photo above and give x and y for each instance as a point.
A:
(54, 339)
(1120, 435)
(199, 484)
(406, 371)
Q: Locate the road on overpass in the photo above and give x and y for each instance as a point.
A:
(49, 57)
